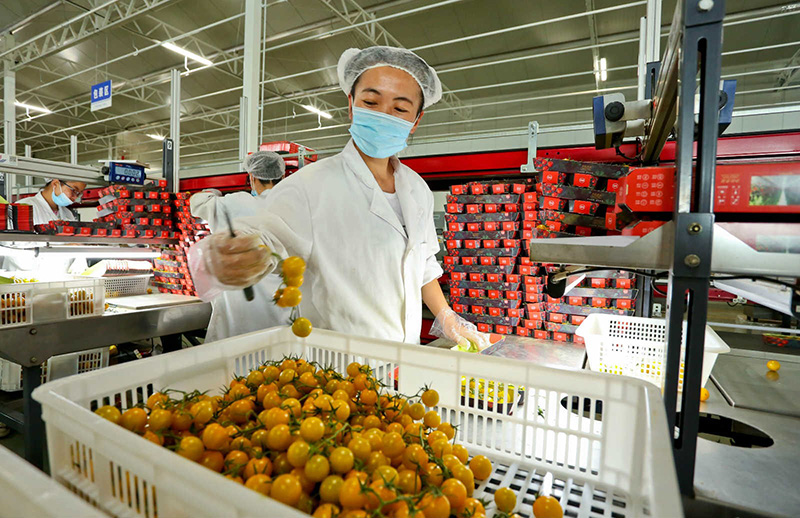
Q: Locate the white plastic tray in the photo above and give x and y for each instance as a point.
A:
(636, 347)
(56, 367)
(618, 464)
(27, 492)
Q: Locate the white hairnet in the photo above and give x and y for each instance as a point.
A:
(355, 62)
(265, 165)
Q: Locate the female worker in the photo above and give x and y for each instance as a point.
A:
(50, 204)
(231, 313)
(362, 220)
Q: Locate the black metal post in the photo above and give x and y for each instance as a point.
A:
(33, 427)
(701, 46)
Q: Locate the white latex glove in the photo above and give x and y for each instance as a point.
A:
(239, 261)
(463, 332)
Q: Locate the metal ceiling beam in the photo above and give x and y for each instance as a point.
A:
(369, 28)
(78, 28)
(593, 38)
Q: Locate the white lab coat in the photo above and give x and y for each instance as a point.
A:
(231, 313)
(364, 271)
(43, 214)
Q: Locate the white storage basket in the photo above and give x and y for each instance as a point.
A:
(56, 367)
(26, 491)
(38, 302)
(636, 347)
(126, 285)
(603, 438)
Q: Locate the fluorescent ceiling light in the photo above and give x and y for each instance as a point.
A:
(32, 108)
(601, 69)
(155, 137)
(319, 112)
(188, 54)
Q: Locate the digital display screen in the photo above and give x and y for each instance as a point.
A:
(126, 173)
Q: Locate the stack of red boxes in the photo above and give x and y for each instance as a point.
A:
(574, 199)
(15, 216)
(79, 228)
(484, 240)
(138, 211)
(172, 269)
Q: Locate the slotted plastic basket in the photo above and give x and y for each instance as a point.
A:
(56, 367)
(26, 491)
(604, 438)
(126, 285)
(636, 347)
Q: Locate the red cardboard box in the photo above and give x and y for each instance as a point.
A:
(487, 260)
(493, 294)
(624, 303)
(584, 180)
(502, 330)
(513, 295)
(493, 277)
(491, 243)
(469, 261)
(477, 188)
(472, 243)
(552, 203)
(513, 277)
(530, 197)
(578, 339)
(531, 296)
(484, 328)
(458, 189)
(530, 216)
(583, 207)
(541, 334)
(457, 292)
(613, 185)
(505, 261)
(460, 308)
(524, 270)
(536, 315)
(528, 207)
(554, 177)
(499, 188)
(476, 294)
(533, 280)
(510, 243)
(451, 244)
(648, 189)
(458, 276)
(525, 261)
(596, 282)
(557, 317)
(623, 284)
(561, 337)
(478, 310)
(577, 319)
(496, 312)
(510, 207)
(490, 207)
(575, 301)
(514, 312)
(522, 331)
(476, 277)
(599, 302)
(518, 188)
(474, 208)
(474, 227)
(583, 231)
(527, 235)
(454, 208)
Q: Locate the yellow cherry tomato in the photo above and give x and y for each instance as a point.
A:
(704, 395)
(774, 365)
(301, 327)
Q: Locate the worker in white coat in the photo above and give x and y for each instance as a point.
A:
(50, 204)
(361, 220)
(232, 314)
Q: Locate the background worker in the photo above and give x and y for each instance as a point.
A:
(231, 313)
(361, 220)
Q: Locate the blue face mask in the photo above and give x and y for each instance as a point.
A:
(378, 134)
(62, 200)
(253, 192)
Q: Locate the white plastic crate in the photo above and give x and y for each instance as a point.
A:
(56, 367)
(636, 347)
(126, 285)
(26, 491)
(37, 302)
(604, 438)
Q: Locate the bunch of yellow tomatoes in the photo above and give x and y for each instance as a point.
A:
(332, 445)
(289, 294)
